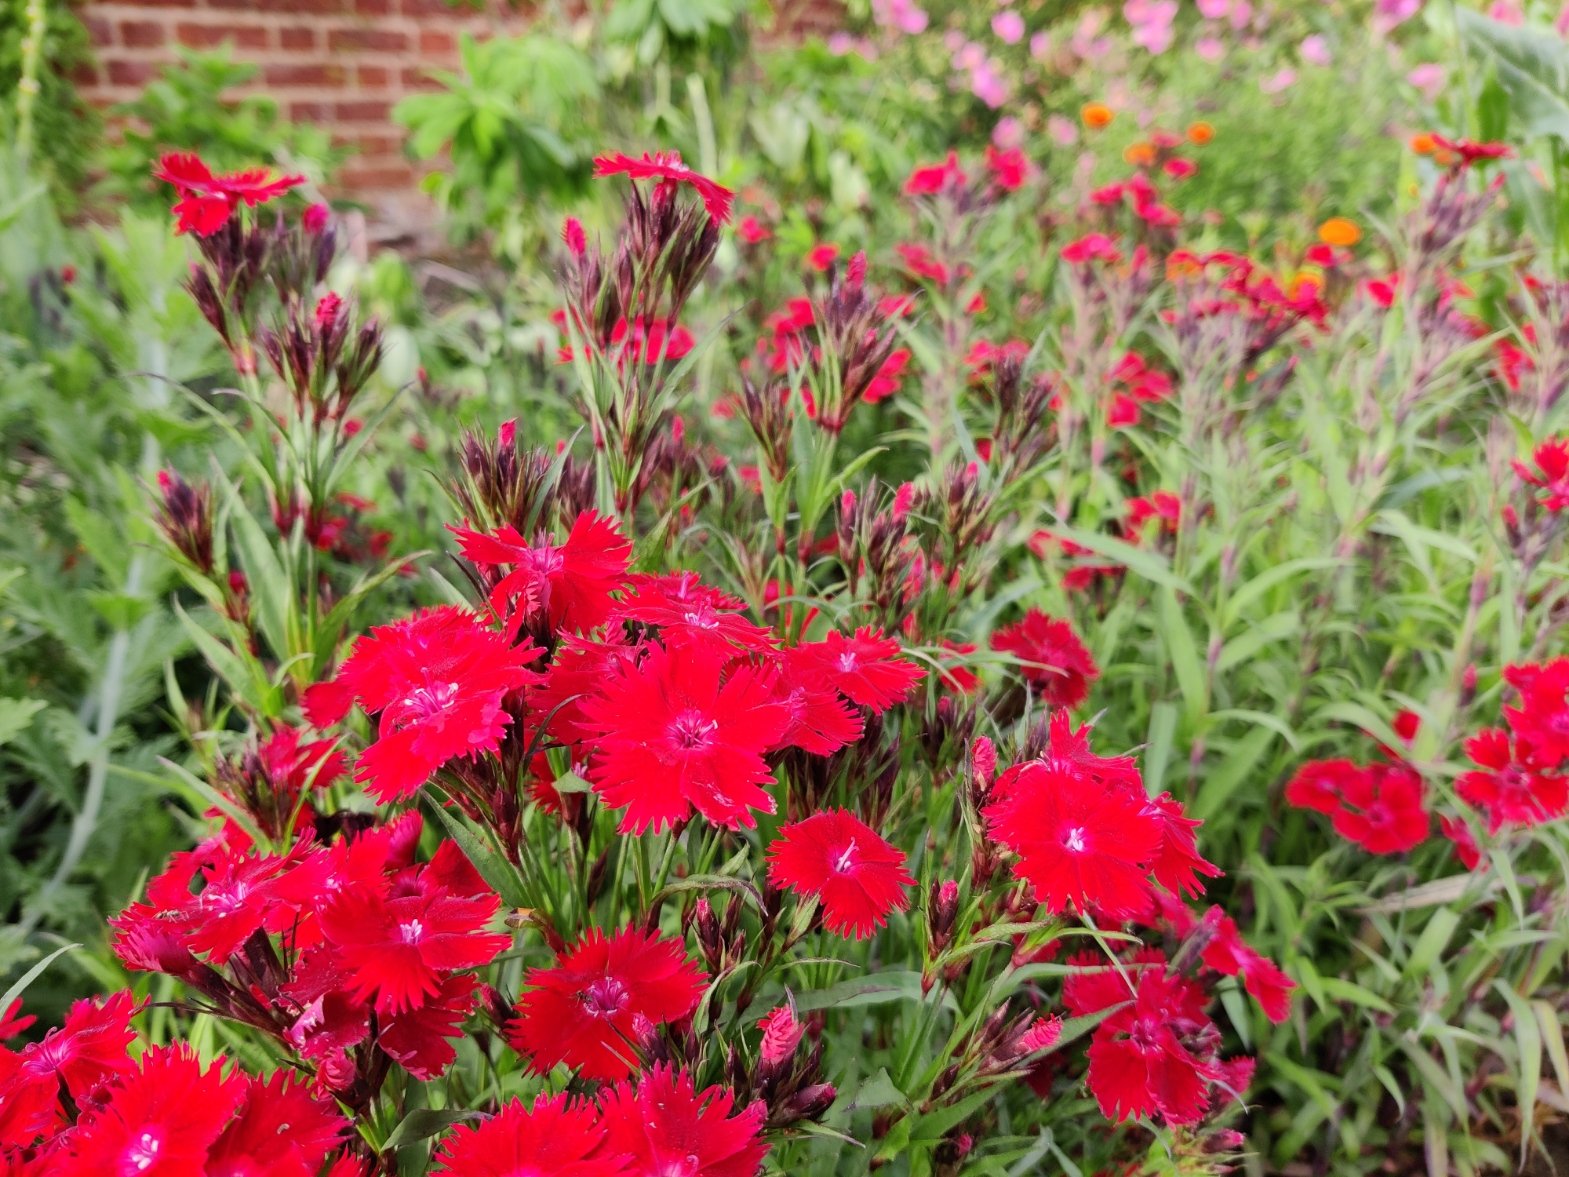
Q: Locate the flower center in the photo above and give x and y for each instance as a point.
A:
(847, 661)
(846, 860)
(692, 730)
(700, 619)
(411, 932)
(143, 1152)
(605, 997)
(429, 701)
(1073, 840)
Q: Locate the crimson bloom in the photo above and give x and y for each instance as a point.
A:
(439, 680)
(930, 179)
(1079, 844)
(396, 947)
(558, 1136)
(1378, 806)
(1055, 663)
(1506, 787)
(569, 585)
(1540, 722)
(667, 168)
(207, 201)
(856, 873)
(281, 1129)
(667, 1126)
(160, 1121)
(1549, 470)
(1143, 1060)
(1228, 954)
(690, 613)
(867, 668)
(596, 1005)
(676, 733)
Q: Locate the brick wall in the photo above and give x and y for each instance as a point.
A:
(340, 64)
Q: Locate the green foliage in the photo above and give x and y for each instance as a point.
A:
(64, 128)
(190, 107)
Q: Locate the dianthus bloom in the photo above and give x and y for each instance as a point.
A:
(206, 202)
(930, 179)
(396, 947)
(1378, 806)
(677, 734)
(667, 1126)
(439, 680)
(1507, 787)
(1549, 470)
(1540, 722)
(1055, 662)
(1228, 954)
(1145, 1057)
(595, 1006)
(867, 668)
(569, 585)
(858, 876)
(667, 168)
(557, 1135)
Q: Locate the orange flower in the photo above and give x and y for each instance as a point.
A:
(1140, 154)
(1339, 231)
(1423, 144)
(1096, 115)
(1200, 133)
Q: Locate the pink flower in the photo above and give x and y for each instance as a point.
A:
(1209, 48)
(1008, 26)
(1280, 80)
(1315, 50)
(1429, 79)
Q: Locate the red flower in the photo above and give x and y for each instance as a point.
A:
(81, 1057)
(691, 614)
(1541, 721)
(866, 668)
(676, 734)
(1228, 954)
(593, 1010)
(1162, 505)
(161, 1121)
(1178, 863)
(418, 1040)
(1470, 151)
(207, 201)
(667, 168)
(558, 1136)
(1079, 843)
(1508, 791)
(818, 720)
(1009, 169)
(281, 1129)
(1141, 1062)
(568, 586)
(439, 680)
(1464, 841)
(835, 856)
(1550, 472)
(396, 947)
(1377, 806)
(752, 231)
(13, 1021)
(1056, 663)
(820, 257)
(667, 1126)
(1092, 247)
(930, 179)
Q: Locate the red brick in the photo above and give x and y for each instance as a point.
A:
(130, 73)
(318, 7)
(367, 110)
(143, 34)
(368, 143)
(210, 36)
(297, 37)
(309, 111)
(100, 31)
(83, 76)
(415, 78)
(434, 42)
(372, 77)
(378, 176)
(373, 7)
(367, 41)
(305, 74)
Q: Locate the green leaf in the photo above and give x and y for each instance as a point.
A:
(16, 715)
(31, 975)
(423, 1123)
(1532, 66)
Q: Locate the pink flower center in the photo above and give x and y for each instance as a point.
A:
(692, 730)
(411, 932)
(846, 860)
(847, 661)
(700, 619)
(1073, 840)
(142, 1153)
(605, 997)
(429, 701)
